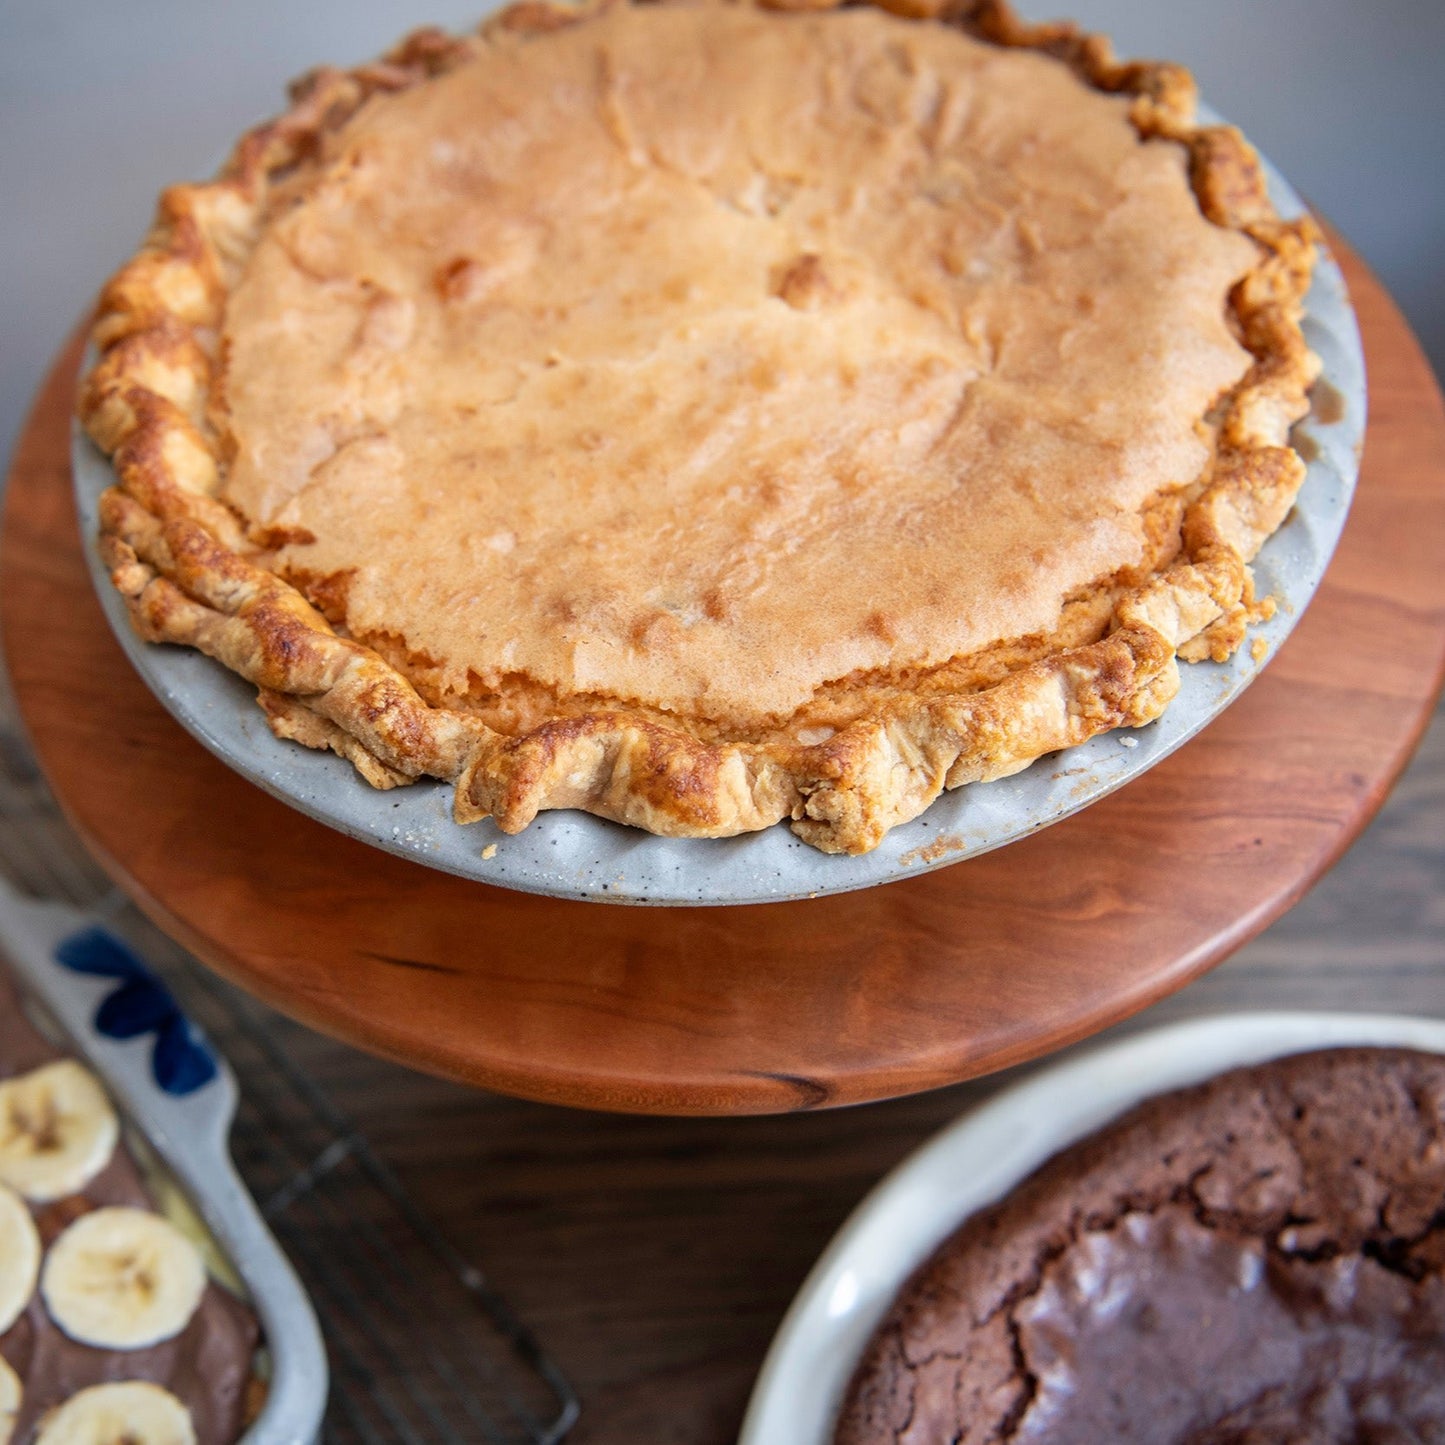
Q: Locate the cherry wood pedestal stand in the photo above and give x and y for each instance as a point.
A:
(784, 1006)
(655, 1256)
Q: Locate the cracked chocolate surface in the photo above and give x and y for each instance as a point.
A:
(1257, 1259)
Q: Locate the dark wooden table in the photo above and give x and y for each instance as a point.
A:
(656, 1256)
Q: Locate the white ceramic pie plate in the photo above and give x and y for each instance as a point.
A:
(573, 855)
(978, 1160)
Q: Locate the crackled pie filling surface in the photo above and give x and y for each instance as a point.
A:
(701, 357)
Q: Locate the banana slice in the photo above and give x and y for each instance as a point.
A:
(11, 1393)
(57, 1130)
(122, 1279)
(130, 1413)
(19, 1258)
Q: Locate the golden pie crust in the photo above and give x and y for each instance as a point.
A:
(709, 415)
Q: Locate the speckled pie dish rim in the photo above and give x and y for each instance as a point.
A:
(573, 855)
(984, 1154)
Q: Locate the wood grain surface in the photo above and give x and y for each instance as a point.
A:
(788, 1006)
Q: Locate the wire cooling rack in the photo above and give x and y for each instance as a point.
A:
(423, 1351)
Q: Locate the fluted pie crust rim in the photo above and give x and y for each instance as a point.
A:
(178, 555)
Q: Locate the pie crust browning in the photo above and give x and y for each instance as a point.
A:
(181, 558)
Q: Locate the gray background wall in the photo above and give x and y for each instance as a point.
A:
(102, 103)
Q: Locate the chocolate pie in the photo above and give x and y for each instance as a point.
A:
(1257, 1260)
(707, 415)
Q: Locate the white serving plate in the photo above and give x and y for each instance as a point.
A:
(979, 1159)
(573, 855)
(187, 1123)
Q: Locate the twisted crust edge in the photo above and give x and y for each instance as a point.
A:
(176, 551)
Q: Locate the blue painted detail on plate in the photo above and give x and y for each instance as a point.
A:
(135, 1008)
(93, 950)
(181, 1061)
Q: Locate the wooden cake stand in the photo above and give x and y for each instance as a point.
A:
(788, 1005)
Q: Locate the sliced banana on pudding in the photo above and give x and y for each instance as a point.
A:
(122, 1279)
(11, 1394)
(129, 1413)
(19, 1258)
(57, 1130)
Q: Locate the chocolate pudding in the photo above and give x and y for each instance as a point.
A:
(209, 1365)
(1259, 1259)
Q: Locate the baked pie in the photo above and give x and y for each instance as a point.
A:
(1234, 1263)
(706, 415)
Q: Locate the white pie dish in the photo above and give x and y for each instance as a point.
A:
(574, 855)
(978, 1159)
(180, 1097)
